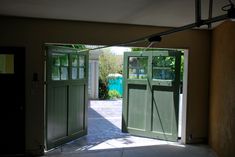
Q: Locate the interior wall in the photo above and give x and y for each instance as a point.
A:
(222, 98)
(33, 33)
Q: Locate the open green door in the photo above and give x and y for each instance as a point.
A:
(151, 94)
(66, 95)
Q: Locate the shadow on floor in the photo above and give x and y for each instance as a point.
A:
(148, 151)
(104, 132)
(100, 129)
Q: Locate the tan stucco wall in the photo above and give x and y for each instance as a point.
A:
(222, 101)
(33, 33)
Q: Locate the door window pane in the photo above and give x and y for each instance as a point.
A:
(6, 64)
(68, 66)
(55, 73)
(74, 60)
(138, 67)
(143, 73)
(64, 60)
(81, 73)
(164, 67)
(55, 60)
(138, 62)
(81, 60)
(60, 65)
(164, 61)
(74, 73)
(164, 74)
(64, 73)
(132, 73)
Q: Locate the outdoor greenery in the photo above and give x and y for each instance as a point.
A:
(113, 94)
(103, 90)
(108, 64)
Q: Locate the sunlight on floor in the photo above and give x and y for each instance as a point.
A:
(131, 141)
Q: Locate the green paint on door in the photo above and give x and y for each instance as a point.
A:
(151, 94)
(66, 98)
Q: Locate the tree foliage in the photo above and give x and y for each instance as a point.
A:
(109, 64)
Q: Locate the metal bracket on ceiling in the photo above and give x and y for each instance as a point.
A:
(198, 19)
(210, 12)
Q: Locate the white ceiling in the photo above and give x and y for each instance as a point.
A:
(172, 13)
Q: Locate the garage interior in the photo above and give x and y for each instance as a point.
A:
(211, 75)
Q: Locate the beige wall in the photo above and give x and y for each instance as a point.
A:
(33, 33)
(222, 101)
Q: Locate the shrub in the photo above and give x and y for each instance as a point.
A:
(103, 90)
(114, 94)
(108, 63)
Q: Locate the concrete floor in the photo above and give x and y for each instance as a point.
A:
(106, 139)
(146, 151)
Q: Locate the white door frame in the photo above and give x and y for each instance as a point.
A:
(184, 101)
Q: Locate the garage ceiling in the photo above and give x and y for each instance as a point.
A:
(172, 13)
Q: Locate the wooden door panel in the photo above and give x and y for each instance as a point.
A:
(76, 109)
(137, 98)
(57, 114)
(66, 104)
(162, 111)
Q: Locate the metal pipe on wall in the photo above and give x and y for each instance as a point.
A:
(210, 12)
(198, 12)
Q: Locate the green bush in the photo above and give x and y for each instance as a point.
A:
(114, 94)
(108, 64)
(103, 90)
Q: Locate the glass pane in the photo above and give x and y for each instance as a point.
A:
(164, 67)
(55, 60)
(142, 73)
(81, 73)
(132, 73)
(74, 60)
(81, 60)
(64, 60)
(55, 73)
(138, 67)
(64, 73)
(74, 73)
(164, 61)
(141, 62)
(164, 74)
(6, 64)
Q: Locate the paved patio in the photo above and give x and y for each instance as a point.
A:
(104, 133)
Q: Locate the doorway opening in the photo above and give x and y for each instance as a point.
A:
(105, 117)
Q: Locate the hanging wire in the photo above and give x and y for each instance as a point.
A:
(147, 47)
(144, 50)
(140, 40)
(157, 36)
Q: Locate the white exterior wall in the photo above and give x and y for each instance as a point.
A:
(93, 79)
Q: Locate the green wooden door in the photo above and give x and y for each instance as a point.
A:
(66, 95)
(151, 94)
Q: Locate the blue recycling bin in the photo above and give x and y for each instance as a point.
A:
(115, 83)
